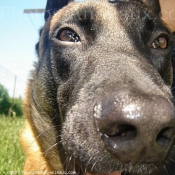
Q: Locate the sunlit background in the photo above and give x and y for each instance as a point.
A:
(18, 36)
(19, 32)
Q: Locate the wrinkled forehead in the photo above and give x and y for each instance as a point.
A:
(87, 11)
(94, 11)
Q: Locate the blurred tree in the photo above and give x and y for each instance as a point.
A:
(17, 107)
(4, 100)
(9, 106)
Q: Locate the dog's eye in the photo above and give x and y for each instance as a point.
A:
(160, 43)
(68, 35)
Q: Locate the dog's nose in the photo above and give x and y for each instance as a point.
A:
(136, 127)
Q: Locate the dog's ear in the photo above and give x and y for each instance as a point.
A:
(154, 5)
(53, 6)
(37, 44)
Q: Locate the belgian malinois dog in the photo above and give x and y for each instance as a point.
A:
(99, 99)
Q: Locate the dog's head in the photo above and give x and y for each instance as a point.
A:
(101, 90)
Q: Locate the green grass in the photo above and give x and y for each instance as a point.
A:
(11, 153)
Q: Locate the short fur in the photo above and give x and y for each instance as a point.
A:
(71, 78)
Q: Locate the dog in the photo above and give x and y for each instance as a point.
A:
(99, 100)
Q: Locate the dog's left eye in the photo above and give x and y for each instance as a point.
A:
(160, 43)
(68, 35)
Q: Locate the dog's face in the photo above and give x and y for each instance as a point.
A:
(101, 99)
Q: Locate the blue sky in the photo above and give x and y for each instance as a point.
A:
(18, 36)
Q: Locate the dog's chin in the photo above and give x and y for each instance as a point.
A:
(114, 173)
(147, 170)
(81, 171)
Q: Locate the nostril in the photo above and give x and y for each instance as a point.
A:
(123, 133)
(165, 136)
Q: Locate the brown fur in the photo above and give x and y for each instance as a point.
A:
(34, 156)
(35, 161)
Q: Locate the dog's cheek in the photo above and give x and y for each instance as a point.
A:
(67, 63)
(167, 75)
(62, 71)
(63, 57)
(163, 65)
(45, 88)
(76, 130)
(78, 133)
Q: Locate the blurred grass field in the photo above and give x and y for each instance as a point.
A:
(11, 153)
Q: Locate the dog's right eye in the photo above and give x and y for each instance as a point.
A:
(160, 43)
(68, 35)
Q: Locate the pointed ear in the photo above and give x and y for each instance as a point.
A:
(53, 6)
(153, 5)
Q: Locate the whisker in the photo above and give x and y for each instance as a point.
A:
(39, 135)
(45, 153)
(74, 167)
(69, 161)
(50, 160)
(65, 163)
(93, 166)
(168, 168)
(87, 165)
(165, 169)
(171, 159)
